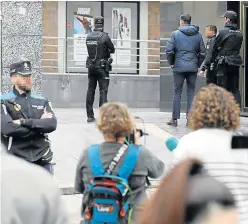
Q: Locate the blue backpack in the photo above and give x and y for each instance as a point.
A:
(110, 195)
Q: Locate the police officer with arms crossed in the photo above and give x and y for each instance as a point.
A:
(226, 56)
(26, 119)
(99, 47)
(207, 65)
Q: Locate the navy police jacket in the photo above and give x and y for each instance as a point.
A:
(28, 140)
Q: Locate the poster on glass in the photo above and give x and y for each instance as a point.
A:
(121, 30)
(83, 25)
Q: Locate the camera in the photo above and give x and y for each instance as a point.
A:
(130, 139)
(239, 142)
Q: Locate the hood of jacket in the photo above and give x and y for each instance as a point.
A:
(189, 30)
(232, 26)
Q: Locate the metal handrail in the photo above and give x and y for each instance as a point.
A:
(57, 59)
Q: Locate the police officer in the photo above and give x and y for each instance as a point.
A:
(226, 50)
(26, 119)
(207, 65)
(99, 47)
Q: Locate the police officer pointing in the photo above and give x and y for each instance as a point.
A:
(226, 50)
(26, 119)
(99, 47)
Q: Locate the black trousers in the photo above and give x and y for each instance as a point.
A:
(100, 76)
(211, 77)
(228, 78)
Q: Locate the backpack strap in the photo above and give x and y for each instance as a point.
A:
(129, 162)
(95, 162)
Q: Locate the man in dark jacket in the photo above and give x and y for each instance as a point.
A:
(99, 47)
(26, 119)
(226, 50)
(185, 53)
(208, 66)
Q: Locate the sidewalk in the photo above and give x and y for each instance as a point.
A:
(74, 134)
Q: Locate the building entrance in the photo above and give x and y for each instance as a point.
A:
(246, 58)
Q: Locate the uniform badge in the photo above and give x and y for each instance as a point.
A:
(17, 107)
(25, 65)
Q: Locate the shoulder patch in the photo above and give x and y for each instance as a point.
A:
(38, 97)
(8, 96)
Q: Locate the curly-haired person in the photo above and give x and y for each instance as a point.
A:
(115, 123)
(214, 116)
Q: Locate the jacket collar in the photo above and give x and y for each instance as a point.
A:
(25, 94)
(232, 26)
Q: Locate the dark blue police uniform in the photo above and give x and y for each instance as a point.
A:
(29, 140)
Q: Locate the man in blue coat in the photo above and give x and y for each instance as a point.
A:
(185, 53)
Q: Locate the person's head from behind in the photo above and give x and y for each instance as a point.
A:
(185, 19)
(99, 23)
(214, 107)
(210, 31)
(20, 75)
(188, 195)
(230, 16)
(115, 122)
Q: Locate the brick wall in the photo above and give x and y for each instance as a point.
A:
(154, 34)
(50, 28)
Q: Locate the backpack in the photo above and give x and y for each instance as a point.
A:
(110, 197)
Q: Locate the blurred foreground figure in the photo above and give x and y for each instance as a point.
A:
(214, 116)
(188, 195)
(28, 194)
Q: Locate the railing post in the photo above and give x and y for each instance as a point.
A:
(64, 55)
(116, 64)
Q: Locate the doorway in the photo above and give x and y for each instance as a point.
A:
(246, 58)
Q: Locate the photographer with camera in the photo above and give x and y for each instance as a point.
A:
(132, 163)
(99, 46)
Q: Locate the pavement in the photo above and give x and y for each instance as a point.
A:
(74, 135)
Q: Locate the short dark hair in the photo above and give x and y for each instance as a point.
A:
(186, 18)
(212, 28)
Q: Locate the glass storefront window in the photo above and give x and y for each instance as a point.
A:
(80, 21)
(120, 22)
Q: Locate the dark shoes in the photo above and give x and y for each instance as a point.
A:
(172, 122)
(91, 119)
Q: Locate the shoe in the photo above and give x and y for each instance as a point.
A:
(172, 122)
(90, 119)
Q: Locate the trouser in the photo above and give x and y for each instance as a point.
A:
(102, 77)
(179, 78)
(228, 78)
(211, 77)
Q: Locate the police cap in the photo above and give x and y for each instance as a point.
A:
(99, 20)
(21, 68)
(231, 15)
